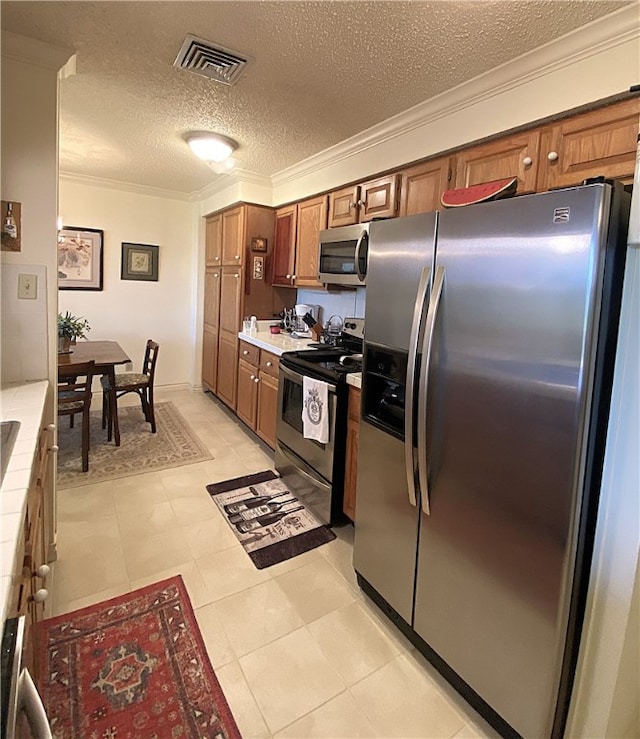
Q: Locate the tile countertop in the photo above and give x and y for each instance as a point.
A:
(24, 403)
(282, 342)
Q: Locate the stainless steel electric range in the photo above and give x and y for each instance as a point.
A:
(315, 471)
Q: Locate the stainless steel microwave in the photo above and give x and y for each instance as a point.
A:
(342, 255)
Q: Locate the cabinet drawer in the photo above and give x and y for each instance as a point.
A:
(269, 363)
(249, 353)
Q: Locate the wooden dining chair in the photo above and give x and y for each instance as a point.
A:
(133, 382)
(74, 396)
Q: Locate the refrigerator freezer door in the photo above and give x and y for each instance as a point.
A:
(398, 250)
(386, 532)
(509, 395)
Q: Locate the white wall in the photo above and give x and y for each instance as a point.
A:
(30, 177)
(128, 311)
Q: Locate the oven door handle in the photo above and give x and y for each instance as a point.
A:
(29, 699)
(297, 377)
(297, 463)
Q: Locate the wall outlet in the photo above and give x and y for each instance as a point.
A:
(27, 287)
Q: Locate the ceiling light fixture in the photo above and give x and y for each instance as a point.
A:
(212, 147)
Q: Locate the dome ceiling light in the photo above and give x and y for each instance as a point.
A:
(212, 147)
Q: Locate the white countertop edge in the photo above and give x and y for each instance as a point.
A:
(23, 402)
(275, 343)
(354, 379)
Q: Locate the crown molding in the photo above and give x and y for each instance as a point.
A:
(32, 51)
(235, 177)
(156, 192)
(585, 42)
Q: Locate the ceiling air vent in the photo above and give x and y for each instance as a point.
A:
(214, 62)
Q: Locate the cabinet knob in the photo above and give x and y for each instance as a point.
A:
(215, 275)
(527, 161)
(269, 364)
(42, 571)
(293, 277)
(253, 377)
(237, 256)
(217, 259)
(54, 448)
(236, 276)
(245, 352)
(552, 156)
(257, 379)
(288, 277)
(51, 427)
(40, 595)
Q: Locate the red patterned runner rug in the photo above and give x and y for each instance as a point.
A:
(133, 667)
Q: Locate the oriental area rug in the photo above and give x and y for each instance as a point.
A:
(133, 667)
(268, 518)
(174, 444)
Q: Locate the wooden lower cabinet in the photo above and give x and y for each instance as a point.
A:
(227, 369)
(210, 359)
(258, 391)
(267, 409)
(351, 458)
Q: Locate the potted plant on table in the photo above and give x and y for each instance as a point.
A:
(70, 328)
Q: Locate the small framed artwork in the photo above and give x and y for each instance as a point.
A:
(11, 226)
(258, 268)
(139, 262)
(80, 258)
(258, 244)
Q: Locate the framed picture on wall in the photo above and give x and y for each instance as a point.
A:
(80, 258)
(139, 262)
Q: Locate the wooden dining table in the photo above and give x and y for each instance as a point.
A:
(106, 355)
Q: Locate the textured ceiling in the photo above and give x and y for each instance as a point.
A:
(320, 73)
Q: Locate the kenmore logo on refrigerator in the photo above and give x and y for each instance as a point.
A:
(561, 215)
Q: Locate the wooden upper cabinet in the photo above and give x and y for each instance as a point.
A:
(233, 237)
(312, 218)
(512, 156)
(379, 198)
(421, 186)
(358, 203)
(213, 250)
(284, 250)
(230, 299)
(343, 206)
(601, 142)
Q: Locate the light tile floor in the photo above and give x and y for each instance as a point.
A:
(298, 650)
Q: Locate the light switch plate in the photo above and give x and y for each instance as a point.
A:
(27, 286)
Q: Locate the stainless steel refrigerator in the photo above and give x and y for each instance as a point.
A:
(489, 339)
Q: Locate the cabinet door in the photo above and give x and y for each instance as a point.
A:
(421, 186)
(246, 406)
(343, 206)
(213, 241)
(230, 299)
(351, 458)
(312, 218)
(602, 142)
(284, 250)
(267, 408)
(233, 236)
(211, 312)
(512, 156)
(379, 198)
(227, 369)
(210, 359)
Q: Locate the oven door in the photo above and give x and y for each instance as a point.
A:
(289, 430)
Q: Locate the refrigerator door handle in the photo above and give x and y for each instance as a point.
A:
(432, 312)
(418, 312)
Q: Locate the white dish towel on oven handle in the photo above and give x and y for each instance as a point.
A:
(315, 410)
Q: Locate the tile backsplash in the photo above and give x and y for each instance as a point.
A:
(23, 347)
(344, 303)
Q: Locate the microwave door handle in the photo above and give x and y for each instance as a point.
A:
(361, 239)
(418, 310)
(432, 313)
(30, 700)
